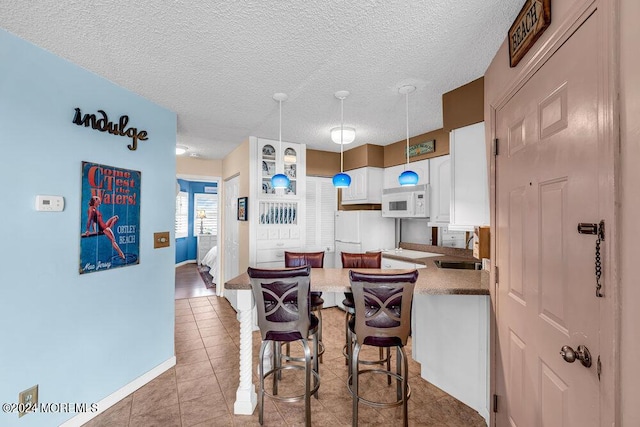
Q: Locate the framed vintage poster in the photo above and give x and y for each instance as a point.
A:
(109, 218)
(242, 208)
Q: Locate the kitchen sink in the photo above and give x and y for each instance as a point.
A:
(460, 265)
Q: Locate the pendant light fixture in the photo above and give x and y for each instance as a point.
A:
(408, 177)
(280, 180)
(341, 180)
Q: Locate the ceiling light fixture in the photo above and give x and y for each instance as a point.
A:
(408, 177)
(341, 180)
(181, 149)
(348, 135)
(280, 180)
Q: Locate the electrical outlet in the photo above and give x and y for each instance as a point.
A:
(27, 400)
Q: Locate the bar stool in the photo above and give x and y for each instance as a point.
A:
(282, 301)
(358, 260)
(315, 260)
(383, 319)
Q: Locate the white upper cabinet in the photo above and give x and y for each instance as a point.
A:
(273, 159)
(276, 216)
(366, 186)
(440, 195)
(391, 174)
(469, 204)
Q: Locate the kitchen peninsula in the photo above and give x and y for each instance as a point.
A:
(450, 328)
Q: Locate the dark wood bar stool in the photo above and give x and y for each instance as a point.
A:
(314, 260)
(383, 319)
(282, 301)
(358, 260)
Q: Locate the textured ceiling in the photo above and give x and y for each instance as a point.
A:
(218, 64)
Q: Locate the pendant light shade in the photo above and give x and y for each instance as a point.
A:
(341, 180)
(280, 180)
(408, 177)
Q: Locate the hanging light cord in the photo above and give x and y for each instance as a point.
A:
(280, 131)
(406, 97)
(341, 133)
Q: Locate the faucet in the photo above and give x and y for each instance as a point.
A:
(466, 246)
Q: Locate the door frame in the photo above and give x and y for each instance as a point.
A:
(608, 128)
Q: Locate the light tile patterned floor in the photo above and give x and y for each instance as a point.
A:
(200, 389)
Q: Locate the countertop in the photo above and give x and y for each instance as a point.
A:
(431, 279)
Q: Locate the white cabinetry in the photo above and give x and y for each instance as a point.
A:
(391, 174)
(366, 186)
(469, 179)
(440, 195)
(277, 216)
(390, 263)
(205, 243)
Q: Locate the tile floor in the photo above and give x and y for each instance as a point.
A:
(200, 389)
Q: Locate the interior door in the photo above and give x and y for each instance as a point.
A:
(546, 183)
(231, 233)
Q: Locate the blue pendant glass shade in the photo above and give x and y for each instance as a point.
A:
(341, 180)
(408, 178)
(280, 181)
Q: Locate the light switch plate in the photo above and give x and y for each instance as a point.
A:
(161, 240)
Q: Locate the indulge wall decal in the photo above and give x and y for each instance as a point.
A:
(103, 124)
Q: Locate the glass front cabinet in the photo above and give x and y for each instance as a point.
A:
(276, 214)
(273, 160)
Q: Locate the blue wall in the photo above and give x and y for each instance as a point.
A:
(187, 247)
(80, 337)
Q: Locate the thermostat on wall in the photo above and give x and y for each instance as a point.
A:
(49, 203)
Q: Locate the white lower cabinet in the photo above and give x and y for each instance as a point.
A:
(390, 263)
(270, 253)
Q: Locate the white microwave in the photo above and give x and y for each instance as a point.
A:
(406, 202)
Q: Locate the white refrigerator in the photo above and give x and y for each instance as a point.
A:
(362, 231)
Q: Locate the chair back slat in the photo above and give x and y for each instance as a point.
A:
(299, 259)
(383, 306)
(361, 260)
(282, 301)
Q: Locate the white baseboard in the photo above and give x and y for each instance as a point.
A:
(120, 394)
(189, 261)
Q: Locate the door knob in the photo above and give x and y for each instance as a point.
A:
(582, 354)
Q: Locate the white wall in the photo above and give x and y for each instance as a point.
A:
(79, 337)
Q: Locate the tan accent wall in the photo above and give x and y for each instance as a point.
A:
(322, 163)
(463, 106)
(396, 153)
(200, 167)
(237, 163)
(630, 211)
(364, 155)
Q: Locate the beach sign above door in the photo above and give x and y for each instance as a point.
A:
(533, 19)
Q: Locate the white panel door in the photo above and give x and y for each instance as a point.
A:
(547, 181)
(231, 235)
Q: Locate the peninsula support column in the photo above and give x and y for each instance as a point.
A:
(246, 397)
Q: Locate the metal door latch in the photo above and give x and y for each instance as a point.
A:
(582, 354)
